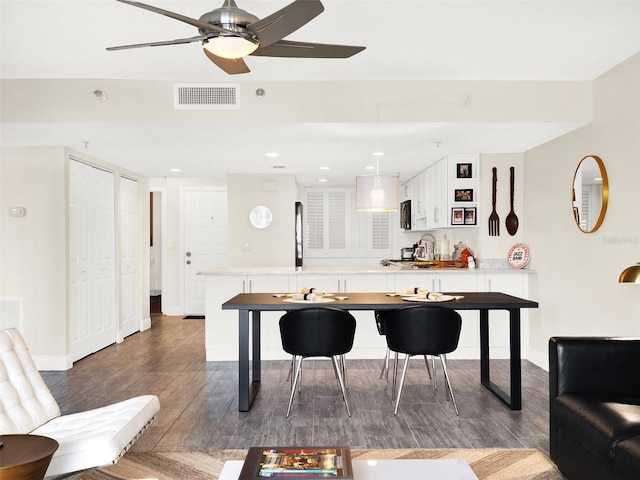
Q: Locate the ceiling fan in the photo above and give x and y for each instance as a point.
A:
(229, 33)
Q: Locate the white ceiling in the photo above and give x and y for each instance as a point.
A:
(449, 40)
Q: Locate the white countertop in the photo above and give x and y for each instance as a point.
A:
(353, 270)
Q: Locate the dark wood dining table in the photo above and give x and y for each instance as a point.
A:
(250, 305)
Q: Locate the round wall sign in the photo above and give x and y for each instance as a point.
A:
(260, 216)
(518, 255)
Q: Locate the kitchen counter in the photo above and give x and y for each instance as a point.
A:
(221, 327)
(355, 270)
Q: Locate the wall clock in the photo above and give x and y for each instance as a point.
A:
(261, 216)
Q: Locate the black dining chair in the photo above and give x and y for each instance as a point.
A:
(318, 332)
(380, 316)
(422, 330)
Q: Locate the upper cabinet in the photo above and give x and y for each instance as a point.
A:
(445, 194)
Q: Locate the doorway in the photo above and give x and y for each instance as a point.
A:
(156, 250)
(205, 225)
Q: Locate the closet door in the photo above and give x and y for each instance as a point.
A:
(92, 313)
(129, 257)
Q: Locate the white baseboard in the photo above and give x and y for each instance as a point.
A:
(145, 324)
(53, 362)
(172, 311)
(541, 359)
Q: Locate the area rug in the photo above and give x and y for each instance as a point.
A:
(488, 464)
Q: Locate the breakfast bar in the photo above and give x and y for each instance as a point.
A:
(251, 305)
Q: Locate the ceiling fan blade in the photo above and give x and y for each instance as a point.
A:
(287, 48)
(191, 21)
(232, 66)
(285, 21)
(177, 41)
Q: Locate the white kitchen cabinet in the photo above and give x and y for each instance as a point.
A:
(436, 195)
(512, 283)
(433, 193)
(221, 332)
(222, 325)
(330, 283)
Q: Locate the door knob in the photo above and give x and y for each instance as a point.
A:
(188, 254)
(188, 262)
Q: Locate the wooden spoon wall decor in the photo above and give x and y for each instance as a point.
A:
(512, 219)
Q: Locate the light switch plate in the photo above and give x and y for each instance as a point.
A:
(17, 211)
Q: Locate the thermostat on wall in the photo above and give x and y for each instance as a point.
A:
(17, 211)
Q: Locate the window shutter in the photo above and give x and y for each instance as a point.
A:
(337, 220)
(314, 220)
(380, 231)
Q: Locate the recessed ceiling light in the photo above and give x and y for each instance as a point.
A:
(322, 180)
(370, 167)
(271, 154)
(324, 168)
(175, 170)
(378, 154)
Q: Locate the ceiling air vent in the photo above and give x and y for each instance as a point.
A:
(206, 96)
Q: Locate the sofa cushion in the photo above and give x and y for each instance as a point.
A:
(626, 460)
(596, 423)
(98, 437)
(26, 400)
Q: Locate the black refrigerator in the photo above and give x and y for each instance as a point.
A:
(299, 235)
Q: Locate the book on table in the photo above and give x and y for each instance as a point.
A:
(297, 463)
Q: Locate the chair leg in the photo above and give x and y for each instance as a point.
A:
(296, 380)
(385, 364)
(395, 376)
(343, 364)
(435, 377)
(404, 374)
(291, 365)
(426, 362)
(337, 368)
(448, 382)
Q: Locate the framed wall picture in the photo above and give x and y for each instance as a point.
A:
(470, 216)
(463, 195)
(457, 216)
(463, 170)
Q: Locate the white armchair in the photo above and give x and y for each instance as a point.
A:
(87, 440)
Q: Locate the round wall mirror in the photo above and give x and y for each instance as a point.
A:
(590, 194)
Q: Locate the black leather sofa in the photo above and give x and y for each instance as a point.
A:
(594, 407)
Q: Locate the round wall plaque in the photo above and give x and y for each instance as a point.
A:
(518, 255)
(261, 216)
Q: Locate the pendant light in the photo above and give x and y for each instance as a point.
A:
(377, 193)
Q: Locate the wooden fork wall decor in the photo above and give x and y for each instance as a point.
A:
(494, 219)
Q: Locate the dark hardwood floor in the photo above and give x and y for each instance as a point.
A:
(199, 399)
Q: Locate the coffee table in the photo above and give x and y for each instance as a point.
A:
(405, 469)
(25, 457)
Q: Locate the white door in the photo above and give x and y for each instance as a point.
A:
(80, 265)
(129, 257)
(205, 243)
(92, 259)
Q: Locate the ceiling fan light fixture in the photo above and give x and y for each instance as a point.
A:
(227, 46)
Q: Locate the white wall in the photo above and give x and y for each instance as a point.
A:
(33, 249)
(268, 247)
(33, 260)
(576, 284)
